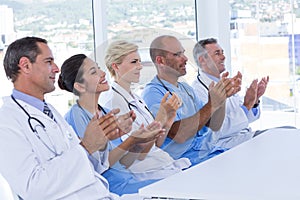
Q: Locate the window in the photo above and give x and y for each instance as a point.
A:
(258, 43)
(261, 43)
(67, 25)
(264, 41)
(141, 21)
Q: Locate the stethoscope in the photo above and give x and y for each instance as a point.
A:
(198, 77)
(40, 125)
(130, 105)
(166, 88)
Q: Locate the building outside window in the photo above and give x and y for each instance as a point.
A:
(261, 42)
(265, 41)
(67, 25)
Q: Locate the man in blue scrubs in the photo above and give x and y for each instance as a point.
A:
(190, 135)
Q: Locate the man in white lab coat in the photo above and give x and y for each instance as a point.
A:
(240, 111)
(41, 157)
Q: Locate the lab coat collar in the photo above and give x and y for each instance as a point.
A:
(206, 78)
(125, 94)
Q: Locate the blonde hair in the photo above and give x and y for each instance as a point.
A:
(116, 52)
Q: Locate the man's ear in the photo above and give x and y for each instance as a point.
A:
(201, 59)
(24, 64)
(160, 60)
(79, 87)
(204, 60)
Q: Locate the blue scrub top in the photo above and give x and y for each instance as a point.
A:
(120, 180)
(201, 146)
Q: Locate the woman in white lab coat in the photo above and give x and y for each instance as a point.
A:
(124, 63)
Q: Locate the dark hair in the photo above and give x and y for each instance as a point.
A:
(207, 41)
(199, 48)
(71, 72)
(24, 47)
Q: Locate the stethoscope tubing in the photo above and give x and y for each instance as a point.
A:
(130, 105)
(54, 151)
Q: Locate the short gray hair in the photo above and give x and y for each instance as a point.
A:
(199, 48)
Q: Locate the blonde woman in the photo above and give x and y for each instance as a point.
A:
(124, 64)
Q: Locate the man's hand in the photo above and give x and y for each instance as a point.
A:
(234, 85)
(219, 92)
(167, 109)
(262, 86)
(250, 97)
(237, 82)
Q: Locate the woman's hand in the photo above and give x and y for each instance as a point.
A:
(147, 134)
(98, 131)
(125, 122)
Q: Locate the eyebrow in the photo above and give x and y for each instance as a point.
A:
(93, 67)
(181, 51)
(219, 50)
(48, 58)
(215, 51)
(135, 59)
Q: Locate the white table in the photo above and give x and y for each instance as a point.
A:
(5, 191)
(264, 168)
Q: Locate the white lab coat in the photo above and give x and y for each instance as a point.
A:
(158, 164)
(33, 171)
(235, 128)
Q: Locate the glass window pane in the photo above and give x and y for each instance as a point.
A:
(67, 25)
(264, 41)
(141, 21)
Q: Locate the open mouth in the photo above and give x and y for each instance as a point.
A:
(103, 82)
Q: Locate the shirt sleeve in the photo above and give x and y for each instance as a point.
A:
(152, 97)
(79, 121)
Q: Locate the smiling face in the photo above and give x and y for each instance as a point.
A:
(94, 80)
(129, 70)
(216, 53)
(175, 60)
(40, 75)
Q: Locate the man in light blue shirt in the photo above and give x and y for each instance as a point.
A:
(190, 135)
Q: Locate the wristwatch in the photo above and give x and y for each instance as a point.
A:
(256, 104)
